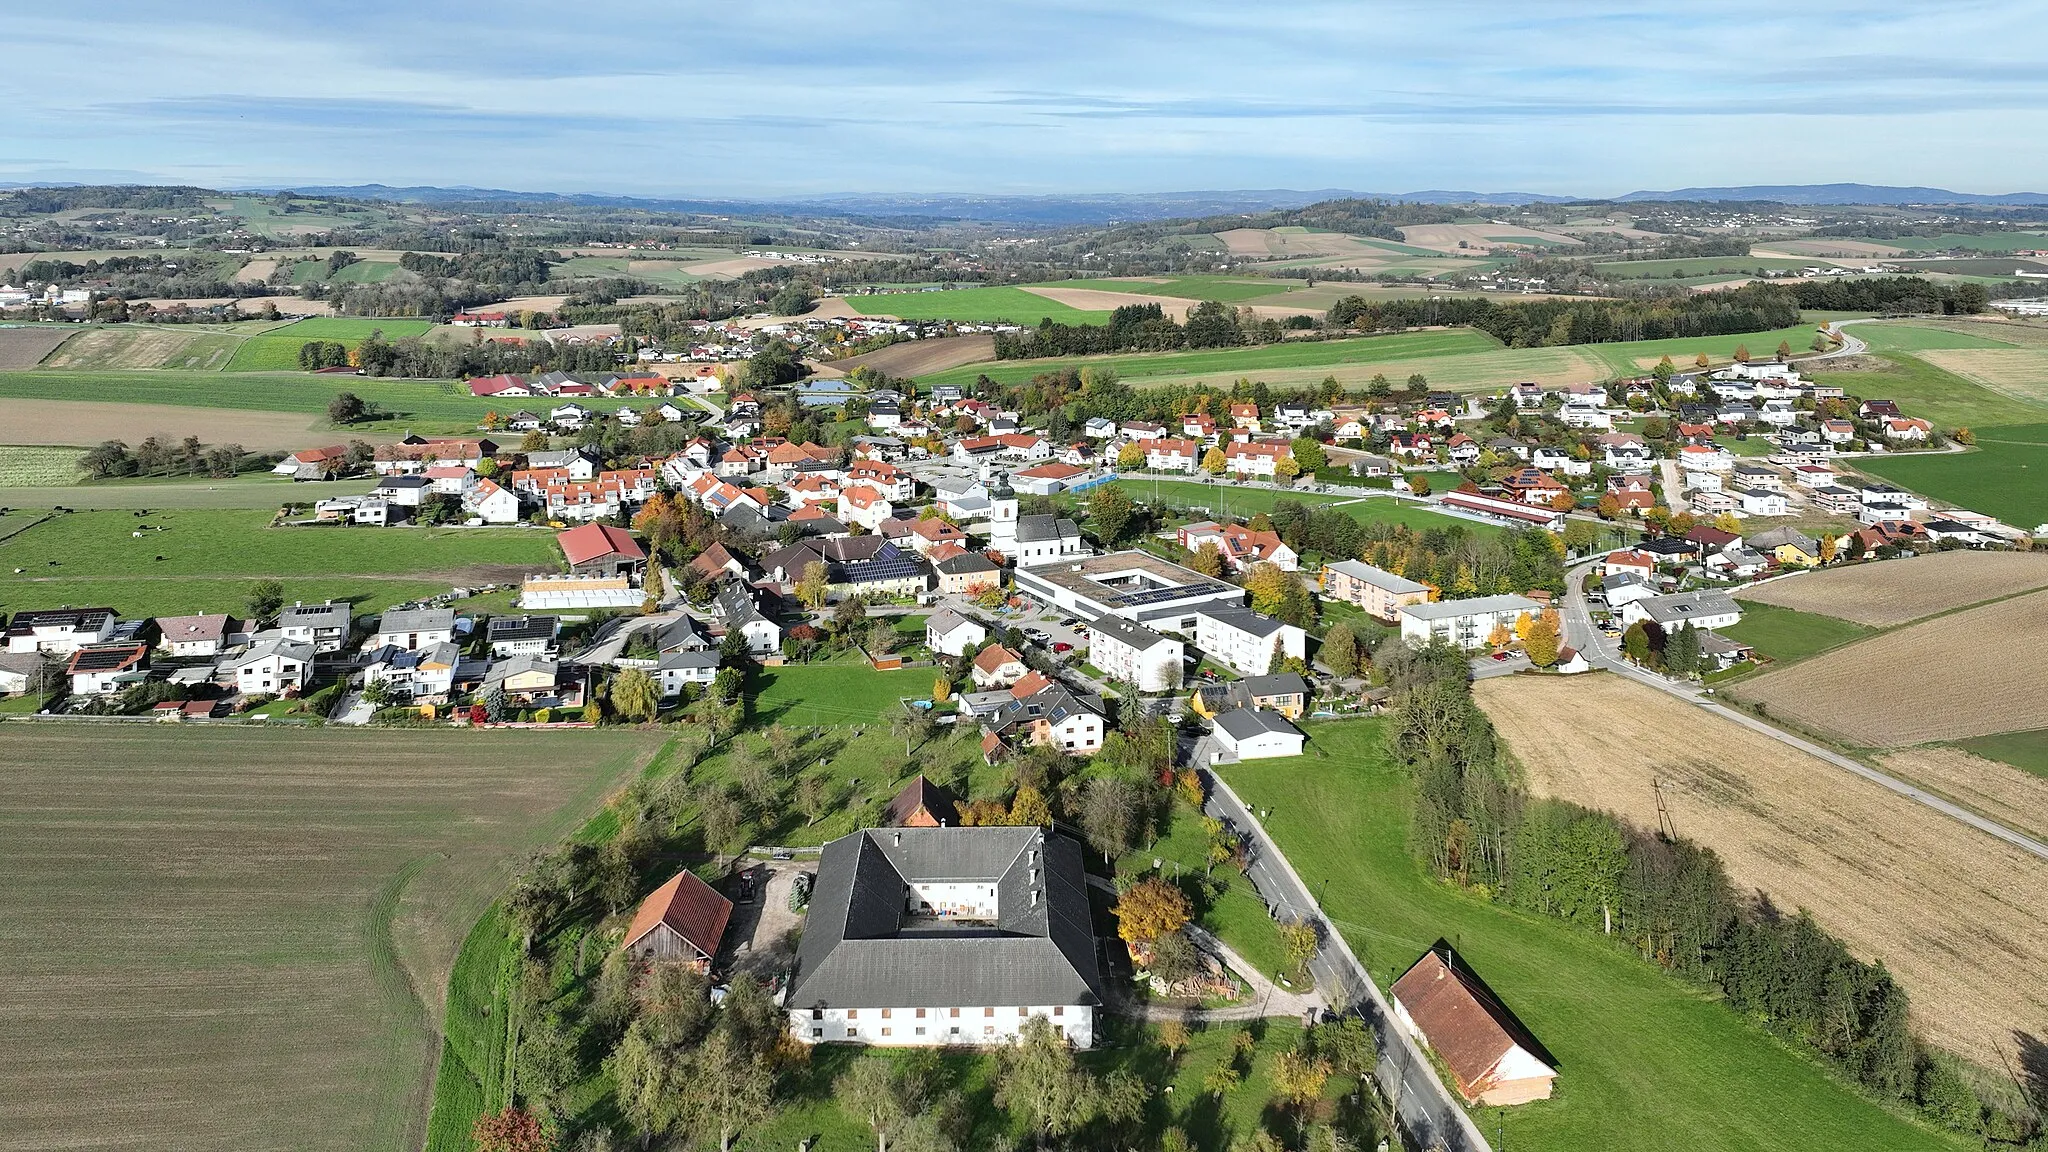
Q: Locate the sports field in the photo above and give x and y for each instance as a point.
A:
(224, 938)
(2005, 475)
(1646, 1063)
(973, 305)
(163, 561)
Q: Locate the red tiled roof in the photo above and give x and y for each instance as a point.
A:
(995, 656)
(688, 906)
(1463, 1025)
(587, 542)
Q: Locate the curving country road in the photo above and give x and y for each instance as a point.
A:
(1602, 654)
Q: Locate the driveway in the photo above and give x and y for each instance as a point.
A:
(758, 934)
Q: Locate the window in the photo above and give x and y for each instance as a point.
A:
(953, 1013)
(988, 1011)
(920, 1031)
(953, 1031)
(851, 1032)
(988, 1030)
(920, 1013)
(885, 1013)
(1059, 1029)
(853, 1013)
(817, 1033)
(817, 1013)
(885, 1031)
(1059, 1010)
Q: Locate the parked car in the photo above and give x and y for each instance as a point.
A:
(1036, 635)
(1063, 648)
(1500, 655)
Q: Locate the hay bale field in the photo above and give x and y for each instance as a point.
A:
(1961, 675)
(1954, 913)
(26, 347)
(1900, 591)
(229, 938)
(917, 357)
(2008, 795)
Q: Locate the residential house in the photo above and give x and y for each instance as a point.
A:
(1836, 500)
(424, 676)
(1790, 547)
(948, 632)
(1245, 416)
(1255, 459)
(1641, 563)
(489, 502)
(683, 920)
(413, 628)
(522, 635)
(1706, 609)
(962, 572)
(1253, 734)
(1239, 546)
(194, 635)
(1534, 487)
(418, 453)
(864, 505)
(315, 463)
(59, 631)
(1381, 594)
(1173, 455)
(1131, 652)
(1761, 502)
(273, 665)
(738, 604)
(991, 929)
(1286, 693)
(997, 667)
(103, 671)
(674, 670)
(325, 625)
(1246, 641)
(1623, 451)
(1053, 715)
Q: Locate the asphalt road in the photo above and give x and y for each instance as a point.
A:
(1428, 1112)
(1603, 653)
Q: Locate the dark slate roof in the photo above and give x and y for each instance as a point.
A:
(888, 563)
(967, 563)
(1279, 684)
(860, 950)
(1243, 620)
(1052, 704)
(1035, 528)
(1125, 632)
(736, 604)
(330, 615)
(1244, 723)
(507, 628)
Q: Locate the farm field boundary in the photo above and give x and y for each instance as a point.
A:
(25, 346)
(303, 892)
(2001, 476)
(1950, 678)
(1885, 593)
(2008, 794)
(1953, 912)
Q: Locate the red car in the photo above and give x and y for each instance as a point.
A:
(1063, 648)
(1500, 655)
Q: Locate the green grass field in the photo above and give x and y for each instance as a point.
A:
(1786, 635)
(187, 559)
(2026, 751)
(248, 491)
(973, 305)
(22, 467)
(425, 405)
(1719, 267)
(814, 694)
(2005, 476)
(1228, 289)
(1923, 390)
(351, 328)
(1227, 500)
(1645, 1062)
(1243, 361)
(1238, 916)
(303, 893)
(266, 354)
(1899, 336)
(1980, 242)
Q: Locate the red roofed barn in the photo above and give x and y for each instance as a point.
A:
(1491, 1058)
(682, 920)
(601, 550)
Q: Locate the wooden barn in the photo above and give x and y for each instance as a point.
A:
(683, 919)
(1492, 1058)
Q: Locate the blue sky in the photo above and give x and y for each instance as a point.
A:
(1047, 96)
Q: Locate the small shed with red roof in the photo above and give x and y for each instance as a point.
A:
(1492, 1059)
(601, 550)
(683, 919)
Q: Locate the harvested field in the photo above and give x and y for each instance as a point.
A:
(230, 938)
(255, 271)
(1098, 300)
(2013, 797)
(1833, 248)
(1893, 592)
(26, 347)
(1959, 676)
(917, 357)
(137, 347)
(1953, 912)
(1484, 237)
(87, 422)
(732, 267)
(2021, 373)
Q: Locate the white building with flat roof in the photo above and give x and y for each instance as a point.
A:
(1135, 586)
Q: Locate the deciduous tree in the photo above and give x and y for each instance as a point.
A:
(1041, 1085)
(635, 696)
(1340, 650)
(1150, 908)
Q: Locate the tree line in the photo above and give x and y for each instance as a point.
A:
(162, 456)
(1545, 323)
(1665, 898)
(1143, 328)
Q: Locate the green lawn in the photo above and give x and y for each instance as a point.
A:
(1229, 289)
(255, 490)
(1925, 391)
(351, 328)
(1632, 357)
(266, 354)
(1717, 266)
(1237, 915)
(815, 694)
(1785, 635)
(1644, 1061)
(973, 305)
(1295, 354)
(444, 404)
(1228, 500)
(2005, 476)
(210, 557)
(1900, 336)
(2026, 751)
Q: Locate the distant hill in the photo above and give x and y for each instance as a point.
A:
(1878, 194)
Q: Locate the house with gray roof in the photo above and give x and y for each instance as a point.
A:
(1708, 609)
(946, 936)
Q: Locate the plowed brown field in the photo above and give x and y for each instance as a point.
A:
(1960, 917)
(1969, 673)
(26, 347)
(1900, 591)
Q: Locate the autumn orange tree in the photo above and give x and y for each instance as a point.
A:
(510, 1131)
(1149, 909)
